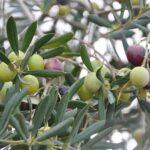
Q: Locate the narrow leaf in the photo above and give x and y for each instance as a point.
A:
(62, 107)
(70, 113)
(14, 122)
(28, 36)
(58, 41)
(99, 20)
(44, 105)
(27, 56)
(107, 145)
(12, 34)
(47, 73)
(85, 57)
(53, 52)
(56, 129)
(94, 128)
(43, 40)
(10, 107)
(111, 97)
(79, 104)
(22, 121)
(97, 138)
(118, 34)
(101, 105)
(75, 87)
(77, 122)
(4, 58)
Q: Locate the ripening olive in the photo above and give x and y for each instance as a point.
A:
(135, 54)
(54, 64)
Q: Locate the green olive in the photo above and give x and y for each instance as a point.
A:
(92, 83)
(139, 77)
(84, 93)
(36, 62)
(16, 59)
(30, 83)
(6, 74)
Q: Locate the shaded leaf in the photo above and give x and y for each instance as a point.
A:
(10, 107)
(4, 58)
(15, 123)
(94, 128)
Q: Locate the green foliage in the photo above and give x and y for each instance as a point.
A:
(50, 118)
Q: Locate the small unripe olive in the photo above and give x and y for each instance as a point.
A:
(36, 62)
(63, 10)
(84, 93)
(92, 83)
(30, 83)
(6, 74)
(139, 77)
(16, 59)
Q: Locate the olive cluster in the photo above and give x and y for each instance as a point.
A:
(138, 77)
(29, 82)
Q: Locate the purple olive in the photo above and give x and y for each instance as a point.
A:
(63, 90)
(135, 54)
